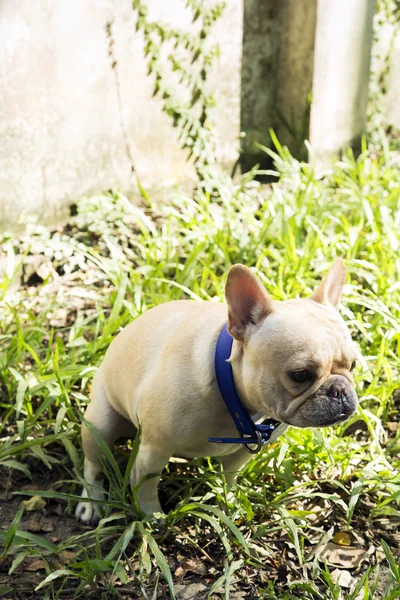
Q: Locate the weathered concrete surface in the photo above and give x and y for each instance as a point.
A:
(71, 124)
(60, 121)
(76, 106)
(277, 73)
(341, 75)
(389, 42)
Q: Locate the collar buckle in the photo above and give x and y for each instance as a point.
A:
(258, 446)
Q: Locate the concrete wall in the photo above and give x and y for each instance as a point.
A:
(60, 119)
(76, 106)
(389, 46)
(341, 74)
(71, 124)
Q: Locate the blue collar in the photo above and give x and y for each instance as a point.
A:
(250, 432)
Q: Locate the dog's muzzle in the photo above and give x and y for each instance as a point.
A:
(333, 402)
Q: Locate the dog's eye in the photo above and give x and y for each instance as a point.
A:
(353, 365)
(300, 376)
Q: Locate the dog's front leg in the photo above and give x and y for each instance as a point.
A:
(146, 474)
(233, 463)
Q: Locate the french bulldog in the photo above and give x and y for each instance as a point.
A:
(292, 361)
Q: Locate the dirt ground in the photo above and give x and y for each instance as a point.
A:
(53, 522)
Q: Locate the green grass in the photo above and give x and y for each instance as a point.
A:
(110, 263)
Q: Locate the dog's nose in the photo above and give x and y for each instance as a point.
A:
(337, 390)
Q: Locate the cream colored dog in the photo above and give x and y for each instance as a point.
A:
(292, 361)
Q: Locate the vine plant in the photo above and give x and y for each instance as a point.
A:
(180, 62)
(387, 16)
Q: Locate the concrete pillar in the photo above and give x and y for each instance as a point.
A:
(341, 74)
(301, 56)
(389, 68)
(277, 74)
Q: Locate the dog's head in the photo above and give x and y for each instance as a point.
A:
(295, 357)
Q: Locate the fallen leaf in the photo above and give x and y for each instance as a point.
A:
(55, 539)
(192, 591)
(264, 576)
(47, 525)
(342, 538)
(67, 556)
(258, 551)
(58, 510)
(30, 268)
(393, 426)
(387, 523)
(36, 565)
(58, 318)
(357, 539)
(36, 525)
(40, 524)
(380, 555)
(342, 578)
(34, 503)
(135, 565)
(180, 572)
(195, 565)
(30, 487)
(345, 557)
(45, 270)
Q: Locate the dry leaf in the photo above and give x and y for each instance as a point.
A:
(30, 268)
(357, 539)
(67, 556)
(342, 578)
(392, 426)
(180, 573)
(192, 591)
(45, 270)
(30, 487)
(380, 555)
(195, 565)
(258, 551)
(345, 557)
(387, 523)
(34, 503)
(264, 576)
(55, 539)
(135, 565)
(36, 565)
(58, 318)
(58, 510)
(342, 538)
(40, 524)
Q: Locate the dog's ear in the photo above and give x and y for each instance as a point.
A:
(248, 302)
(330, 289)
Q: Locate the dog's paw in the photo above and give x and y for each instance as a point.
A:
(152, 510)
(87, 513)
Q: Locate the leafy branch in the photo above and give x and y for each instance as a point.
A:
(180, 62)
